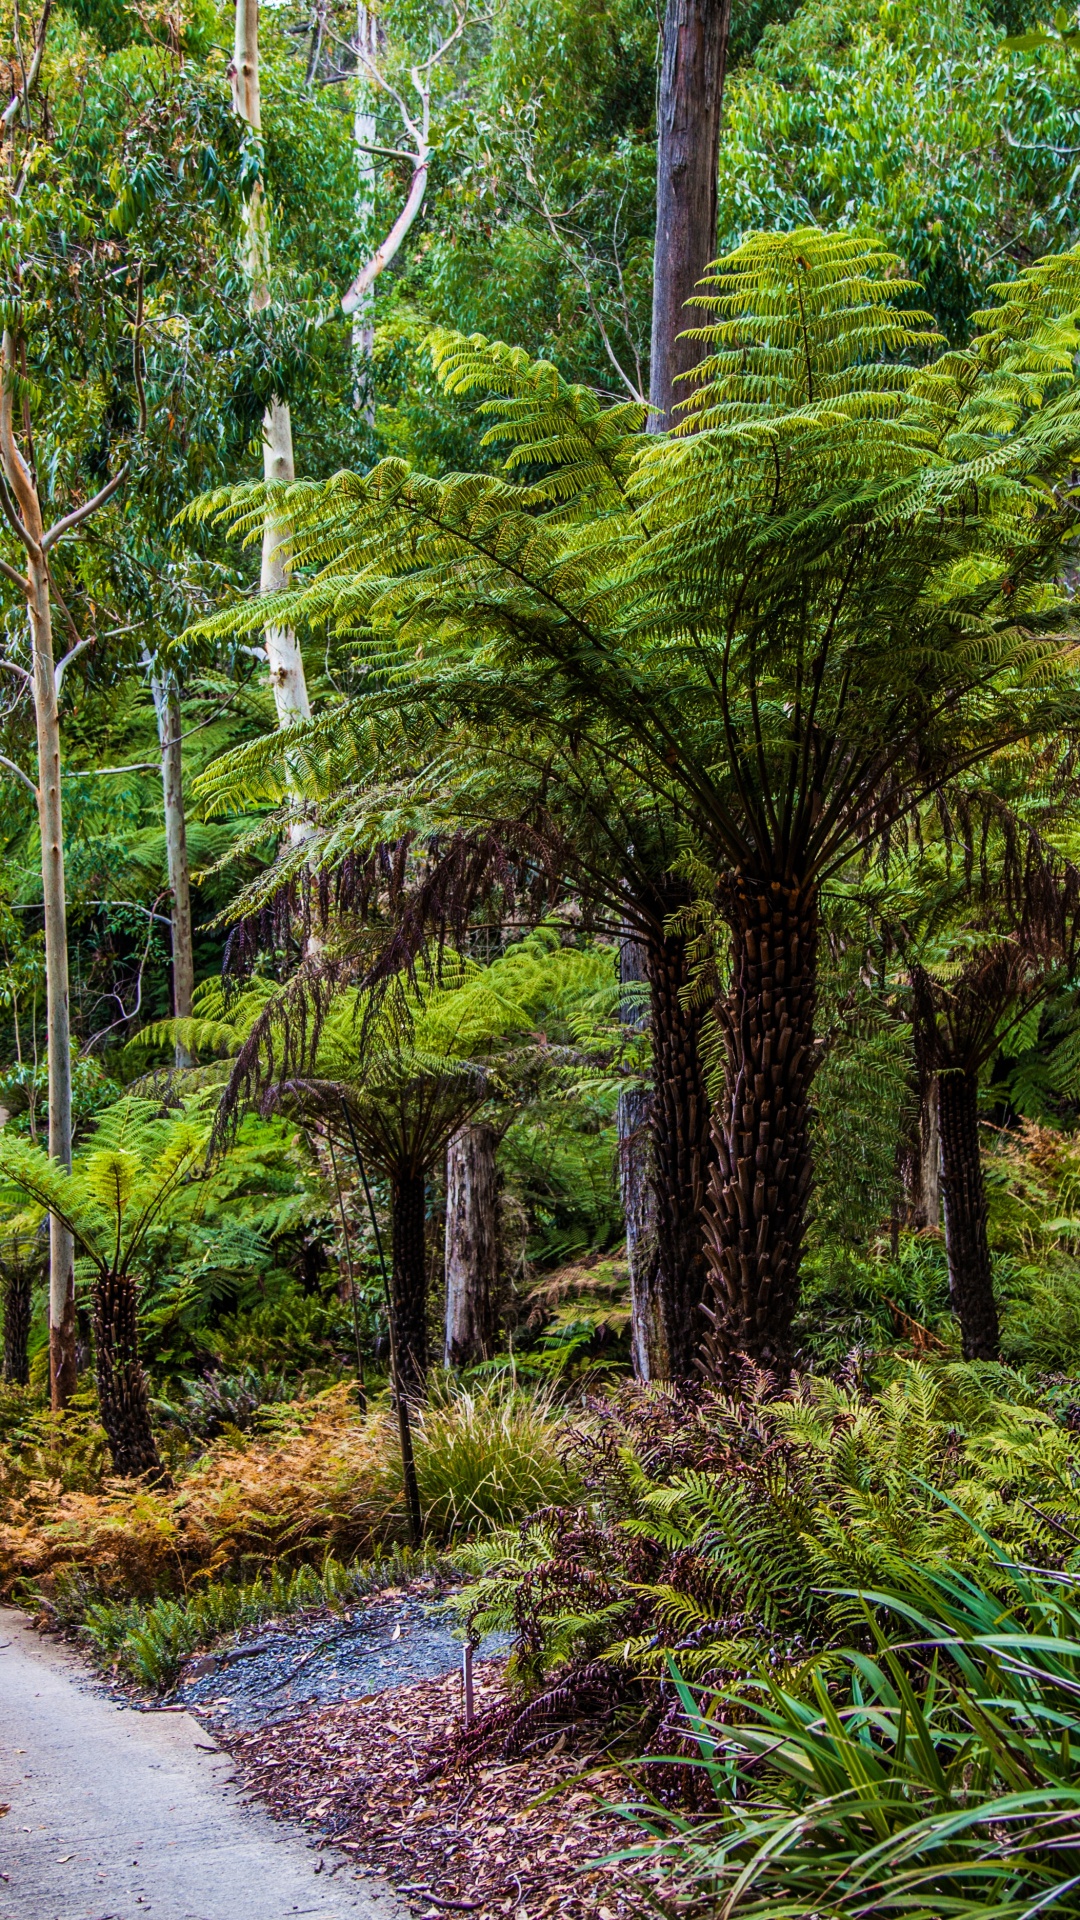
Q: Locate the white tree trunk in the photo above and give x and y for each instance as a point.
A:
(167, 707)
(365, 133)
(283, 655)
(472, 1244)
(63, 1366)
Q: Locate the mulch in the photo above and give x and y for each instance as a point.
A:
(513, 1837)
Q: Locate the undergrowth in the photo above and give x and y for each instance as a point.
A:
(150, 1641)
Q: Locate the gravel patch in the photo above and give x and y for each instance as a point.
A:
(322, 1657)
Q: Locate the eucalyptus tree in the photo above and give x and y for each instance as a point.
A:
(46, 222)
(825, 597)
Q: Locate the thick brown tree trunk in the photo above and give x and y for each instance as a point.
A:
(472, 1244)
(17, 1277)
(681, 1152)
(408, 1277)
(760, 1184)
(688, 143)
(123, 1401)
(970, 1277)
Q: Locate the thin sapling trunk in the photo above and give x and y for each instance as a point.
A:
(970, 1275)
(408, 1276)
(167, 705)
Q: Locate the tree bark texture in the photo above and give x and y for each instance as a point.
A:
(680, 1151)
(472, 1244)
(167, 705)
(123, 1401)
(408, 1276)
(637, 1184)
(286, 666)
(760, 1183)
(922, 1158)
(695, 40)
(16, 1284)
(970, 1275)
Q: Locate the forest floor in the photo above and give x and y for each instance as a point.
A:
(346, 1722)
(342, 1724)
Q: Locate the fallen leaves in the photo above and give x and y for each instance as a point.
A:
(504, 1839)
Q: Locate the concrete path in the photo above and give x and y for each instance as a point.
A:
(113, 1814)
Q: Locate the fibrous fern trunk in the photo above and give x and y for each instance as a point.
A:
(408, 1277)
(472, 1244)
(970, 1275)
(760, 1184)
(680, 1155)
(123, 1401)
(17, 1295)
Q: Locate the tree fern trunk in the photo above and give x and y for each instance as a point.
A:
(681, 1153)
(408, 1279)
(17, 1293)
(123, 1401)
(970, 1277)
(759, 1187)
(472, 1244)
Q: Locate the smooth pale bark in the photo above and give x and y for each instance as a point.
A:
(970, 1275)
(365, 134)
(472, 1244)
(63, 1363)
(283, 656)
(760, 1184)
(695, 39)
(167, 707)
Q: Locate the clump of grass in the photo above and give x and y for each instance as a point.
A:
(151, 1642)
(488, 1455)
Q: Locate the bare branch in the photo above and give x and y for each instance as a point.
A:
(79, 514)
(30, 78)
(17, 580)
(12, 666)
(58, 670)
(18, 772)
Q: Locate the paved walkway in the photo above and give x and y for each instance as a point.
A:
(113, 1814)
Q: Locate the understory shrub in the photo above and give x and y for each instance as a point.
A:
(930, 1774)
(715, 1528)
(318, 1478)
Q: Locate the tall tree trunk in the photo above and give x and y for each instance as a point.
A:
(167, 706)
(760, 1184)
(365, 135)
(695, 40)
(970, 1276)
(63, 1362)
(408, 1276)
(284, 659)
(17, 1277)
(472, 1244)
(123, 1401)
